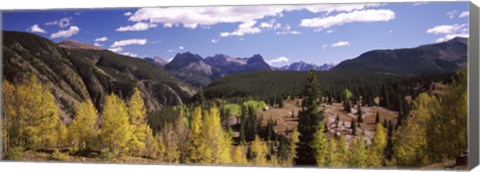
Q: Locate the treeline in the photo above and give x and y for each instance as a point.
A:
(274, 86)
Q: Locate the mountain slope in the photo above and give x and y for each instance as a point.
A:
(77, 74)
(427, 59)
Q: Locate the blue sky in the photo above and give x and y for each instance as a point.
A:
(328, 33)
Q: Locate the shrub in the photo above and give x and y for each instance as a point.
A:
(59, 156)
(15, 153)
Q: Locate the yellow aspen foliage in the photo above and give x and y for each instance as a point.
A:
(115, 130)
(343, 152)
(239, 156)
(37, 115)
(140, 128)
(9, 124)
(358, 153)
(259, 151)
(376, 150)
(292, 148)
(320, 145)
(196, 149)
(83, 130)
(332, 159)
(62, 134)
(218, 141)
(447, 130)
(409, 142)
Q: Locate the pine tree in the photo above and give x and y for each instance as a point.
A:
(83, 130)
(353, 126)
(115, 130)
(309, 117)
(360, 114)
(377, 118)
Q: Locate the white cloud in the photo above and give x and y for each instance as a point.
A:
(155, 42)
(130, 54)
(464, 14)
(289, 33)
(243, 29)
(170, 50)
(214, 40)
(116, 49)
(449, 31)
(181, 48)
(66, 33)
(451, 14)
(36, 28)
(419, 3)
(278, 60)
(329, 31)
(101, 39)
(324, 46)
(341, 44)
(170, 59)
(380, 15)
(127, 14)
(192, 17)
(63, 22)
(445, 29)
(126, 42)
(140, 26)
(97, 44)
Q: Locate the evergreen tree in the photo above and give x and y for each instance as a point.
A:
(353, 126)
(377, 118)
(309, 118)
(360, 114)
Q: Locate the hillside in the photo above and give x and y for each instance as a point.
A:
(437, 58)
(75, 74)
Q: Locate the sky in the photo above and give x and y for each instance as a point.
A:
(282, 34)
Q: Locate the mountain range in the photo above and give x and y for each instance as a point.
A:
(303, 66)
(200, 72)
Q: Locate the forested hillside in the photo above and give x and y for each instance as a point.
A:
(75, 75)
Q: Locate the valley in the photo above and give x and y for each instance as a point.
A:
(382, 109)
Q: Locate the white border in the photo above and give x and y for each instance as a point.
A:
(86, 4)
